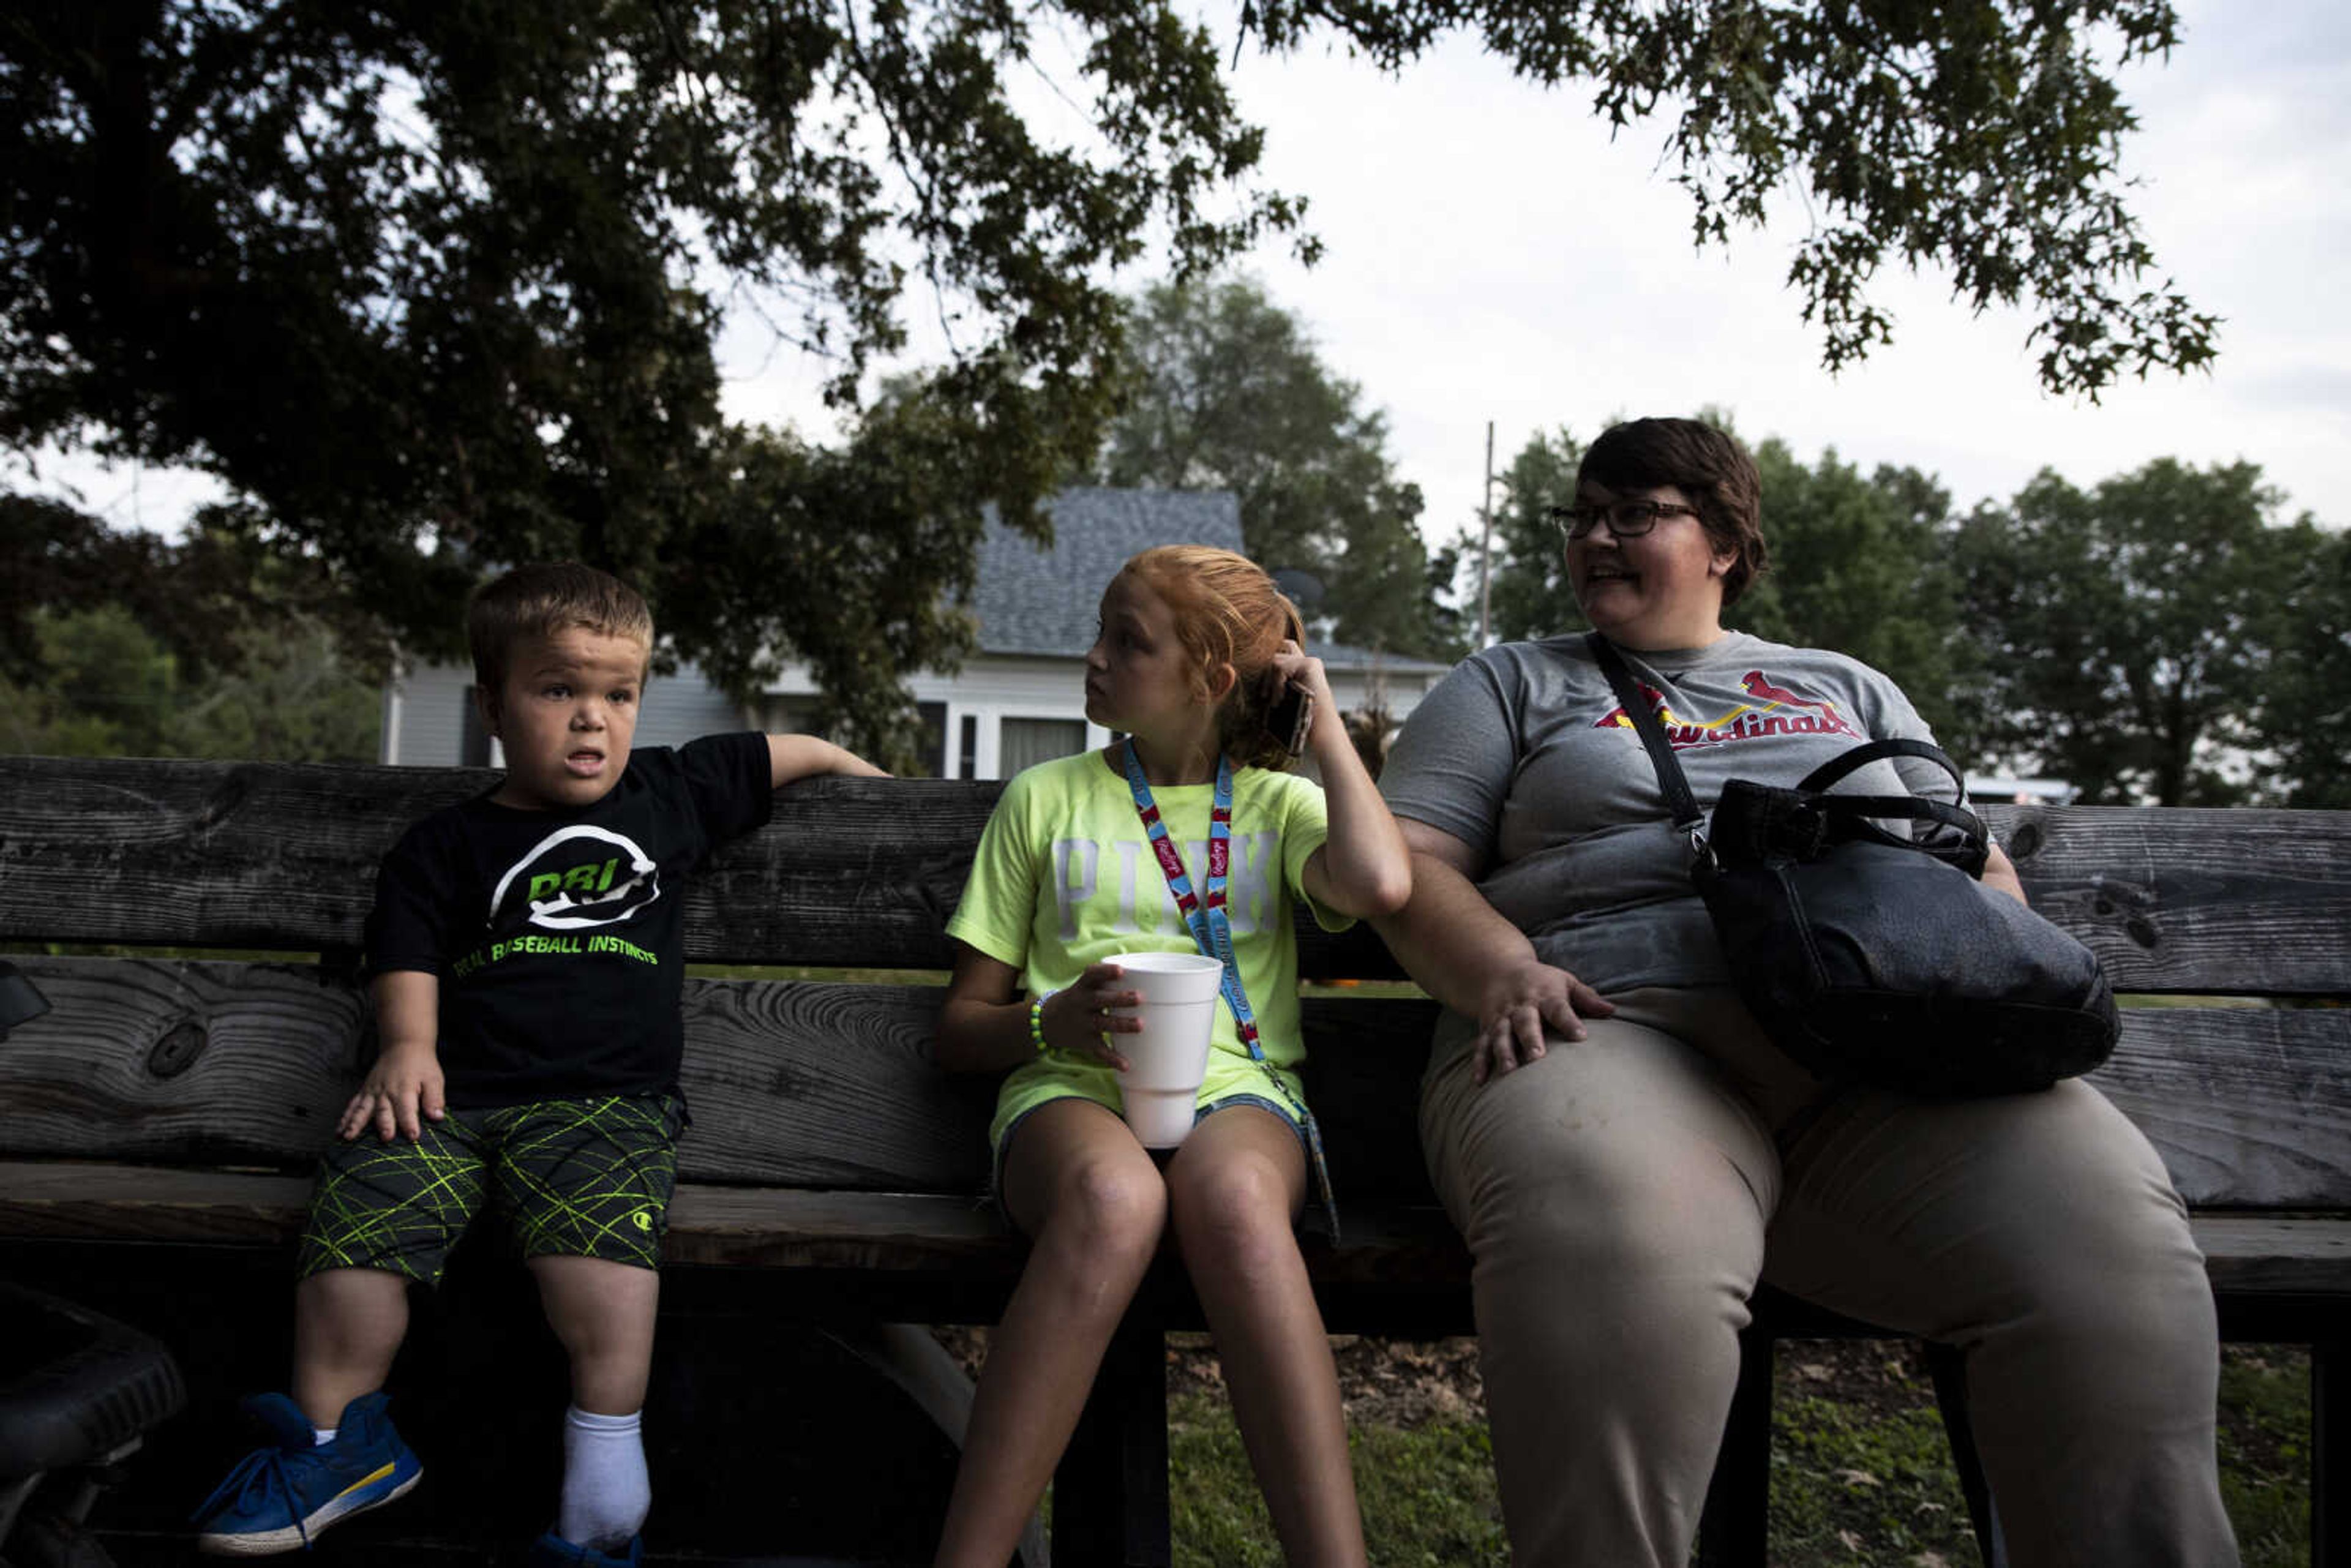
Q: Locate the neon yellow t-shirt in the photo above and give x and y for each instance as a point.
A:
(1065, 877)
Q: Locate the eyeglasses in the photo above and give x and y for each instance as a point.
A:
(1626, 519)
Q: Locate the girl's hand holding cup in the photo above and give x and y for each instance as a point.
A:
(1079, 1019)
(1168, 1053)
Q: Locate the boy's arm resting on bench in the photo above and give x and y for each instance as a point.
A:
(403, 1089)
(793, 756)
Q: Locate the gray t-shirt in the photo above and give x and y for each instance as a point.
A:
(1524, 754)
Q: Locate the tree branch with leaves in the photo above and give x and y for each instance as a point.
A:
(1983, 138)
(433, 285)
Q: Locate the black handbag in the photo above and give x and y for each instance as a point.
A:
(1873, 955)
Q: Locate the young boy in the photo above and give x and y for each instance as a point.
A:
(527, 949)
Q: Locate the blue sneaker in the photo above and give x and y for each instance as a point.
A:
(279, 1498)
(552, 1551)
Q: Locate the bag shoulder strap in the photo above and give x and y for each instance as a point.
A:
(1675, 784)
(1860, 814)
(1870, 751)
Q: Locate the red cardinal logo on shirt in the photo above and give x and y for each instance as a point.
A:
(1776, 710)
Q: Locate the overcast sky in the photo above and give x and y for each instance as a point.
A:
(1491, 255)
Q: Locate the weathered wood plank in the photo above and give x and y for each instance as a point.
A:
(196, 1063)
(85, 1202)
(1387, 1247)
(2250, 1107)
(863, 872)
(831, 1085)
(766, 1226)
(783, 1227)
(828, 1086)
(216, 1062)
(2248, 1253)
(201, 853)
(2226, 902)
(283, 856)
(709, 1225)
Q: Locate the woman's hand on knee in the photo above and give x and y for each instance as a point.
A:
(1519, 1006)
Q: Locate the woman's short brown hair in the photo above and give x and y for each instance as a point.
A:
(1227, 611)
(1705, 463)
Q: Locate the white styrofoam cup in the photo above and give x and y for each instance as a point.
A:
(1169, 1055)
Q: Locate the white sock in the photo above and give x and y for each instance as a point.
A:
(606, 1492)
(322, 1436)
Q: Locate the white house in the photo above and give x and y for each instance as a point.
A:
(1017, 700)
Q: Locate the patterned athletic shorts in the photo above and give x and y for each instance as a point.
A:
(580, 1179)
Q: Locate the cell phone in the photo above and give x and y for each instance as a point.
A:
(1288, 717)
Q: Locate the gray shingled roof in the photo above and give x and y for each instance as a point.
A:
(1045, 602)
(1032, 601)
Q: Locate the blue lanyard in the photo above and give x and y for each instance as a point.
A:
(1212, 933)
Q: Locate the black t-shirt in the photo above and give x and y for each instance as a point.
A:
(558, 936)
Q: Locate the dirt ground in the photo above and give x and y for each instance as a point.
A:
(1417, 1383)
(1385, 1382)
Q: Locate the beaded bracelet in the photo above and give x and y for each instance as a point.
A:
(1037, 1021)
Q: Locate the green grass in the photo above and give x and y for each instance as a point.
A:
(1427, 1493)
(2265, 1452)
(1850, 1486)
(1853, 1482)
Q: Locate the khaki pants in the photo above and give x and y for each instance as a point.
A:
(1622, 1195)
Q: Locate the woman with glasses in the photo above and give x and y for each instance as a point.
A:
(1628, 1155)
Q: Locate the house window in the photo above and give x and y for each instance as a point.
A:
(474, 740)
(933, 751)
(968, 754)
(787, 712)
(1025, 742)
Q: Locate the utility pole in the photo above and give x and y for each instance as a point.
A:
(1486, 547)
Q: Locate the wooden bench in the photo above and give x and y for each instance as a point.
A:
(155, 1128)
